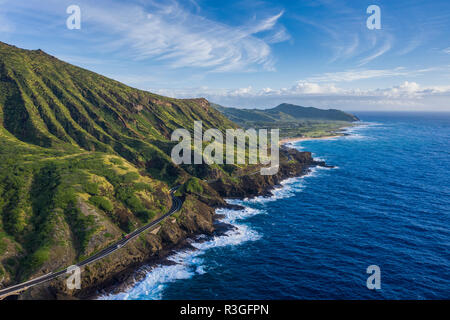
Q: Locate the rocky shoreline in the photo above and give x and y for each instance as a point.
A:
(129, 265)
(132, 276)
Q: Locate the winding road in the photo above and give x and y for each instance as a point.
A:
(176, 206)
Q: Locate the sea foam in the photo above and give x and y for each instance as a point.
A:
(188, 263)
(287, 189)
(354, 132)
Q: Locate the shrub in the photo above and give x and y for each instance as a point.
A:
(130, 177)
(116, 161)
(143, 186)
(91, 188)
(38, 258)
(3, 246)
(193, 186)
(145, 215)
(134, 203)
(102, 203)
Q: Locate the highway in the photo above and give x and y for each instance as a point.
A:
(176, 206)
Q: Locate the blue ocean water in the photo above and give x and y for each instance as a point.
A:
(387, 203)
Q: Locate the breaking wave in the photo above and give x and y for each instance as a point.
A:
(188, 263)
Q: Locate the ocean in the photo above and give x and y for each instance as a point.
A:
(386, 203)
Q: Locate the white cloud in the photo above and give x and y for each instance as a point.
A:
(169, 32)
(405, 89)
(407, 95)
(241, 91)
(313, 88)
(447, 50)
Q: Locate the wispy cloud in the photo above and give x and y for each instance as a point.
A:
(387, 45)
(361, 74)
(343, 45)
(169, 32)
(5, 25)
(347, 36)
(413, 44)
(349, 40)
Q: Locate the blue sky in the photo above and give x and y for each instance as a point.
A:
(252, 53)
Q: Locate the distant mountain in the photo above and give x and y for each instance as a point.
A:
(285, 113)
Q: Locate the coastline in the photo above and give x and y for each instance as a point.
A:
(333, 134)
(175, 237)
(134, 275)
(289, 140)
(223, 228)
(178, 259)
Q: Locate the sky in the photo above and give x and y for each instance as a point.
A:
(252, 53)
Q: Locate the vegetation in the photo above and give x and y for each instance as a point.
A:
(193, 186)
(79, 153)
(101, 202)
(84, 157)
(292, 120)
(285, 113)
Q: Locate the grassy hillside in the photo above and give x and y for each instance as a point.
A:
(292, 120)
(285, 112)
(83, 159)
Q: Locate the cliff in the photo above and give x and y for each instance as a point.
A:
(85, 160)
(197, 216)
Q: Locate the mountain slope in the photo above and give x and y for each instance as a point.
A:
(285, 112)
(244, 115)
(48, 102)
(83, 159)
(301, 113)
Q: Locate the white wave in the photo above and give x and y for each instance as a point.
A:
(231, 216)
(287, 189)
(188, 263)
(354, 132)
(318, 158)
(294, 145)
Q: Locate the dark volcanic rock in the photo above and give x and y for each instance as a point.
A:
(292, 163)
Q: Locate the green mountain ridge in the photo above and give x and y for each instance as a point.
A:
(285, 113)
(83, 159)
(293, 121)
